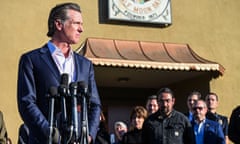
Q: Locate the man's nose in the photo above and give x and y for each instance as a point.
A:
(80, 28)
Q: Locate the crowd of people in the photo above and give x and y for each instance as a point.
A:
(156, 123)
(159, 123)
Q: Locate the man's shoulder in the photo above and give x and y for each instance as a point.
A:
(180, 117)
(79, 56)
(216, 116)
(36, 51)
(186, 113)
(236, 109)
(223, 117)
(211, 123)
(179, 114)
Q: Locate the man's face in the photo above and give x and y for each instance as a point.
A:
(200, 110)
(72, 27)
(152, 106)
(191, 101)
(212, 102)
(166, 103)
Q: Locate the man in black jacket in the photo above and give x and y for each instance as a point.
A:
(167, 126)
(212, 104)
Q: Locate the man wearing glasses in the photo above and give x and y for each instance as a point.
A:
(206, 131)
(192, 98)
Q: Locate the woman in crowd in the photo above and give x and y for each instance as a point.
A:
(137, 117)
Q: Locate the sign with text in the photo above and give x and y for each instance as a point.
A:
(145, 11)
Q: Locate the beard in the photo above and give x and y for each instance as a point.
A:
(165, 110)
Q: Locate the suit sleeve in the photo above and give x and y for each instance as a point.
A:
(95, 105)
(27, 99)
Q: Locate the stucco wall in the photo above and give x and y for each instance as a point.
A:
(211, 28)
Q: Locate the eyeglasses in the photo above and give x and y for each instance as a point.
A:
(200, 108)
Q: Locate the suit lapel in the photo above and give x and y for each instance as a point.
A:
(77, 67)
(46, 57)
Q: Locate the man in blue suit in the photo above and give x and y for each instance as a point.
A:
(42, 68)
(206, 131)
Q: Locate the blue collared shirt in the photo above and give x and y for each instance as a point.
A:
(64, 65)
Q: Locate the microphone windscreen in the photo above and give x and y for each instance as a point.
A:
(82, 86)
(73, 85)
(73, 88)
(53, 91)
(64, 79)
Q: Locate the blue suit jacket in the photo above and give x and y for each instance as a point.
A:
(37, 73)
(213, 133)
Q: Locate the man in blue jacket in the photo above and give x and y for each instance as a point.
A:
(206, 131)
(42, 68)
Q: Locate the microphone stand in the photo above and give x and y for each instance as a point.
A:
(52, 95)
(64, 93)
(84, 126)
(63, 90)
(73, 92)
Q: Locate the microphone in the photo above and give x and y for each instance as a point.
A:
(53, 92)
(64, 79)
(64, 92)
(73, 92)
(83, 91)
(83, 88)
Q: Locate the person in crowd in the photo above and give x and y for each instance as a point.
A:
(103, 136)
(212, 104)
(3, 131)
(206, 131)
(152, 105)
(120, 128)
(23, 134)
(234, 126)
(43, 67)
(167, 126)
(191, 99)
(134, 135)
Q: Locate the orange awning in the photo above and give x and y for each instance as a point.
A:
(146, 55)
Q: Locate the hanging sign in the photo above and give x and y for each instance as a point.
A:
(145, 11)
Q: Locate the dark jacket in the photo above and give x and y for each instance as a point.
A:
(174, 129)
(234, 126)
(23, 134)
(103, 136)
(133, 137)
(37, 73)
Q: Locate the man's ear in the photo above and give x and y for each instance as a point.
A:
(173, 100)
(58, 24)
